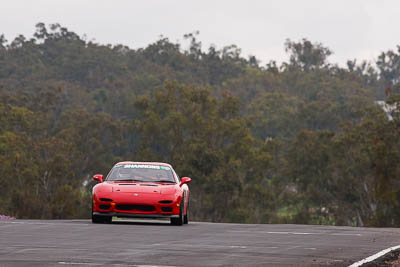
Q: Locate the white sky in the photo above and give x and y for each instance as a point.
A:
(350, 28)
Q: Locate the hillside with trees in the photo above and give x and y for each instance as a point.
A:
(297, 142)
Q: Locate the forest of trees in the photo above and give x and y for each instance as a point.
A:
(297, 142)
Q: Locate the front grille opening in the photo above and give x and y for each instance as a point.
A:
(105, 199)
(165, 201)
(135, 207)
(166, 209)
(104, 207)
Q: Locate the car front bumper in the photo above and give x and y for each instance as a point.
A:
(127, 205)
(135, 215)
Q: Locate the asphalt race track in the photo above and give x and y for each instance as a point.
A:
(147, 243)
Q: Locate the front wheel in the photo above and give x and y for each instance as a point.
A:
(97, 219)
(107, 219)
(186, 217)
(180, 219)
(100, 219)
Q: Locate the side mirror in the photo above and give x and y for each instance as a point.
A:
(98, 177)
(185, 180)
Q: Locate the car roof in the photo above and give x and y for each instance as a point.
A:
(143, 163)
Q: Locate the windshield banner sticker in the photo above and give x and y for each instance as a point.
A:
(142, 166)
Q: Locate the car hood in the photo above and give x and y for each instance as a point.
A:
(144, 188)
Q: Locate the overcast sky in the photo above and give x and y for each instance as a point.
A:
(350, 28)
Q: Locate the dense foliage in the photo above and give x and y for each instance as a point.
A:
(300, 142)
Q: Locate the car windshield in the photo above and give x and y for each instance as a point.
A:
(141, 173)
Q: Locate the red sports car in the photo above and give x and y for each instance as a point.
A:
(141, 190)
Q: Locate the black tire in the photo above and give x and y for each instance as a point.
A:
(100, 219)
(107, 219)
(97, 219)
(179, 220)
(186, 217)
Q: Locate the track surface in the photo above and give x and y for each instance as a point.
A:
(133, 243)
